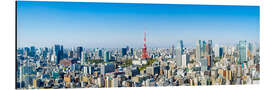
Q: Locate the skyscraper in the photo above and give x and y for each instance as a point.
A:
(124, 51)
(106, 56)
(210, 47)
(32, 51)
(179, 52)
(70, 54)
(26, 51)
(79, 52)
(198, 49)
(251, 49)
(242, 51)
(44, 53)
(185, 59)
(100, 53)
(83, 57)
(58, 50)
(107, 68)
(204, 64)
(21, 76)
(172, 51)
(181, 47)
(209, 54)
(203, 49)
(221, 52)
(131, 51)
(209, 62)
(216, 50)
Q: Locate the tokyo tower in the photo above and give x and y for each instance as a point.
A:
(144, 51)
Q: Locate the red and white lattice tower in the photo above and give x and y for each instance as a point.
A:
(144, 51)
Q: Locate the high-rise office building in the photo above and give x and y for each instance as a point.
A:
(21, 76)
(100, 53)
(58, 51)
(172, 51)
(185, 59)
(32, 51)
(83, 58)
(107, 68)
(210, 47)
(210, 54)
(128, 48)
(242, 51)
(124, 51)
(26, 51)
(203, 49)
(216, 50)
(251, 49)
(209, 62)
(179, 52)
(181, 46)
(198, 49)
(44, 53)
(106, 56)
(79, 52)
(70, 54)
(204, 64)
(131, 51)
(221, 52)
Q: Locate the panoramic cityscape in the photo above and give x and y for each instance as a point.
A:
(59, 67)
(109, 45)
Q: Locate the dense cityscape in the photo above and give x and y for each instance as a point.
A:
(206, 64)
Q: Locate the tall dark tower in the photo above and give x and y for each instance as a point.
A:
(79, 52)
(58, 50)
(144, 52)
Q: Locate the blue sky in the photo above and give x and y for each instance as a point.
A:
(115, 25)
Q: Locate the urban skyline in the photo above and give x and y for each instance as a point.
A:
(108, 45)
(59, 67)
(97, 25)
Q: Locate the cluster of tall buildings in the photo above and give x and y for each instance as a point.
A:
(206, 64)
